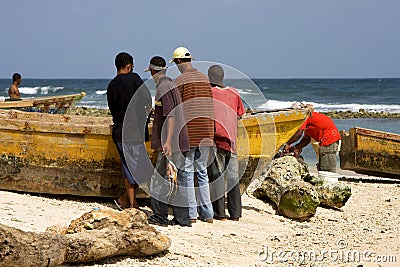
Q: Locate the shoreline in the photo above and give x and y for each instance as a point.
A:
(361, 114)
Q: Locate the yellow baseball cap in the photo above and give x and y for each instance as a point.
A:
(181, 52)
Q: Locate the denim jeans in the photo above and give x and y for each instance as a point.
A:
(199, 198)
(159, 189)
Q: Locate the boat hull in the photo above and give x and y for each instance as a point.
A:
(75, 155)
(370, 152)
(49, 104)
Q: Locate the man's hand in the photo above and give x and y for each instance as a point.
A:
(167, 149)
(297, 151)
(287, 148)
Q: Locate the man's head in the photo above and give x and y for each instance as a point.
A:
(182, 58)
(216, 75)
(157, 65)
(182, 53)
(124, 62)
(16, 77)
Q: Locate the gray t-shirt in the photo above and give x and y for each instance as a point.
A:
(168, 103)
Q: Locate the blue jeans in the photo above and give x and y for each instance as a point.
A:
(197, 161)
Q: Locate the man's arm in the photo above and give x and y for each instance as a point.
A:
(293, 139)
(304, 142)
(167, 146)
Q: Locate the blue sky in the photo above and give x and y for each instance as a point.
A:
(261, 38)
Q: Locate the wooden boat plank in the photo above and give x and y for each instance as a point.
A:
(44, 103)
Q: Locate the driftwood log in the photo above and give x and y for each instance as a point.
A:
(283, 185)
(94, 236)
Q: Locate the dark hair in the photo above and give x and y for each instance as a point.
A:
(158, 61)
(217, 72)
(123, 59)
(185, 60)
(16, 76)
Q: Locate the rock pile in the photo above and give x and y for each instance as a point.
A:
(296, 193)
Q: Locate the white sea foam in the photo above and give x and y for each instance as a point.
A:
(43, 90)
(101, 92)
(248, 92)
(275, 105)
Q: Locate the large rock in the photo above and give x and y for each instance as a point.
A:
(94, 236)
(283, 185)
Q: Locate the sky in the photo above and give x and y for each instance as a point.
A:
(261, 38)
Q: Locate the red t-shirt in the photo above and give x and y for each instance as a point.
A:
(227, 106)
(321, 128)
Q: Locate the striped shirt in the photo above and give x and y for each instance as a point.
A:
(197, 99)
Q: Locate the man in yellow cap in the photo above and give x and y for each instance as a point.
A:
(197, 99)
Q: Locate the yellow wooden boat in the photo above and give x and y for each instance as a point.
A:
(370, 152)
(75, 155)
(47, 104)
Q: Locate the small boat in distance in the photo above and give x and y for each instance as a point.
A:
(370, 152)
(48, 104)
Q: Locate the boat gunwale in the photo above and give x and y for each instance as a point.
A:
(377, 134)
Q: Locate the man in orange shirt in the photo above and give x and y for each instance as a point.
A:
(322, 129)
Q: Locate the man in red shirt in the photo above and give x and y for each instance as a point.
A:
(228, 106)
(323, 130)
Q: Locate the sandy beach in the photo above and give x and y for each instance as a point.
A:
(365, 231)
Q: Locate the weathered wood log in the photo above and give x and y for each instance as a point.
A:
(283, 185)
(19, 248)
(331, 195)
(94, 236)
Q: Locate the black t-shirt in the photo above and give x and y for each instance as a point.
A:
(121, 91)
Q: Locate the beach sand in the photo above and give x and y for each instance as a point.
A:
(365, 231)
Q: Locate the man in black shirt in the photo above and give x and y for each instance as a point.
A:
(129, 100)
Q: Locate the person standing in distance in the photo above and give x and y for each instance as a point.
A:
(13, 91)
(196, 94)
(120, 91)
(225, 167)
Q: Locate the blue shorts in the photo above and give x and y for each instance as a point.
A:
(136, 165)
